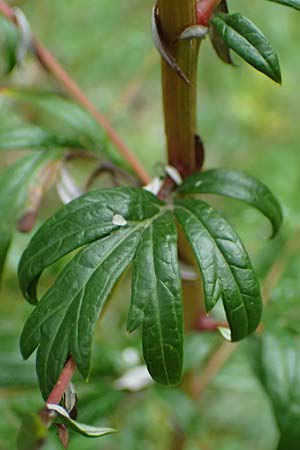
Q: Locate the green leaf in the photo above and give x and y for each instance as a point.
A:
(242, 36)
(82, 221)
(13, 183)
(33, 433)
(277, 361)
(85, 430)
(221, 49)
(9, 47)
(63, 322)
(157, 300)
(63, 118)
(31, 137)
(238, 185)
(225, 266)
(292, 3)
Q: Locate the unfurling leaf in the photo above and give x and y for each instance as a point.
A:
(85, 430)
(225, 266)
(237, 185)
(242, 36)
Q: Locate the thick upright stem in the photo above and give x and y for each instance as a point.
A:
(179, 97)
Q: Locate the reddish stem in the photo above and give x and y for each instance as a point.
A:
(50, 63)
(62, 383)
(205, 9)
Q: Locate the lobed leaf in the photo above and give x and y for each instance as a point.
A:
(225, 266)
(291, 3)
(82, 221)
(157, 300)
(64, 320)
(237, 185)
(242, 36)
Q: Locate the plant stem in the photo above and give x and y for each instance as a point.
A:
(49, 62)
(179, 97)
(62, 383)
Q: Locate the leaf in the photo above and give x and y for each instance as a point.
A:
(194, 32)
(157, 300)
(13, 183)
(292, 3)
(10, 45)
(277, 361)
(33, 433)
(219, 45)
(225, 266)
(31, 137)
(85, 430)
(242, 36)
(82, 221)
(63, 118)
(63, 322)
(238, 185)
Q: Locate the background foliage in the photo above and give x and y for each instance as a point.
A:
(247, 123)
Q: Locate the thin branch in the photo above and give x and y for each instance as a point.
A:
(49, 62)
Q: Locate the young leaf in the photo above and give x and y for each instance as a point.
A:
(292, 3)
(224, 264)
(277, 362)
(242, 36)
(157, 300)
(219, 45)
(82, 221)
(238, 185)
(85, 430)
(64, 320)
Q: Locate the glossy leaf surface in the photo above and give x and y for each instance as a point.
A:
(157, 300)
(237, 185)
(225, 266)
(13, 183)
(82, 221)
(63, 322)
(242, 36)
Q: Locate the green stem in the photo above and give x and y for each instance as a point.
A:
(179, 97)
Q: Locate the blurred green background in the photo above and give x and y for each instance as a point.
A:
(247, 123)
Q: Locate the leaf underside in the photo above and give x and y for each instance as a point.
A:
(242, 36)
(221, 49)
